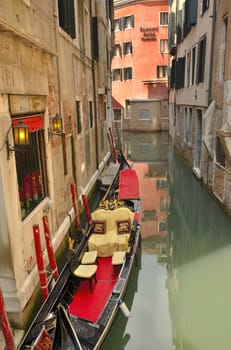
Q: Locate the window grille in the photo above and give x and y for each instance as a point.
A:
(127, 48)
(67, 17)
(117, 24)
(163, 18)
(163, 45)
(117, 74)
(162, 72)
(31, 173)
(128, 73)
(128, 22)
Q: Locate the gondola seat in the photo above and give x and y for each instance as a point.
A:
(111, 231)
(89, 258)
(86, 272)
(117, 260)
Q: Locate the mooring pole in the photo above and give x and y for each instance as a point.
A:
(112, 145)
(49, 246)
(5, 325)
(40, 262)
(87, 209)
(74, 202)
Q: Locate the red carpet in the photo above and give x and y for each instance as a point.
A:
(87, 304)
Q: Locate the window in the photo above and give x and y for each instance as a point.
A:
(163, 45)
(222, 50)
(128, 109)
(149, 215)
(117, 115)
(128, 73)
(178, 121)
(127, 48)
(188, 125)
(161, 184)
(117, 50)
(117, 74)
(145, 148)
(128, 22)
(91, 121)
(67, 16)
(188, 67)
(117, 24)
(163, 226)
(204, 6)
(31, 173)
(163, 18)
(201, 60)
(144, 114)
(78, 117)
(162, 72)
(193, 65)
(220, 155)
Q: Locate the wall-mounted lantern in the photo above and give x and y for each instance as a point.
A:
(57, 124)
(21, 137)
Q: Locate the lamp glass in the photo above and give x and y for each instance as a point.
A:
(21, 134)
(57, 123)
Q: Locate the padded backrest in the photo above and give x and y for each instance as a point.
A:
(112, 216)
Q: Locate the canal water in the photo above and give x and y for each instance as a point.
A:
(180, 293)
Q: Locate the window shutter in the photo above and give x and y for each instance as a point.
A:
(173, 73)
(124, 48)
(193, 4)
(124, 22)
(72, 19)
(95, 46)
(180, 72)
(132, 21)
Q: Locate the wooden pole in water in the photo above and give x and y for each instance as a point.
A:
(40, 263)
(74, 202)
(5, 325)
(50, 251)
(87, 209)
(112, 145)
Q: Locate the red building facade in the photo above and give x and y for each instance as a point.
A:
(140, 62)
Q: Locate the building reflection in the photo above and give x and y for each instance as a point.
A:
(148, 154)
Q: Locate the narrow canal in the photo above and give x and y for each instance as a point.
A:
(180, 293)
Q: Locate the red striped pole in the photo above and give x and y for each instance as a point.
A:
(40, 263)
(50, 251)
(73, 194)
(112, 145)
(5, 325)
(87, 209)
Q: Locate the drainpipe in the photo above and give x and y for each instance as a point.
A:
(211, 52)
(94, 94)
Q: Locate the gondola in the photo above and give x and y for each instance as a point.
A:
(84, 301)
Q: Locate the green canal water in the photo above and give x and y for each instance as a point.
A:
(180, 293)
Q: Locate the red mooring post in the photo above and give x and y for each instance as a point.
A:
(40, 262)
(112, 145)
(74, 202)
(87, 209)
(5, 325)
(50, 251)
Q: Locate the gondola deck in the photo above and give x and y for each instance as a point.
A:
(78, 314)
(89, 304)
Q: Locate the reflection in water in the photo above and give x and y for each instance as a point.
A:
(179, 297)
(199, 278)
